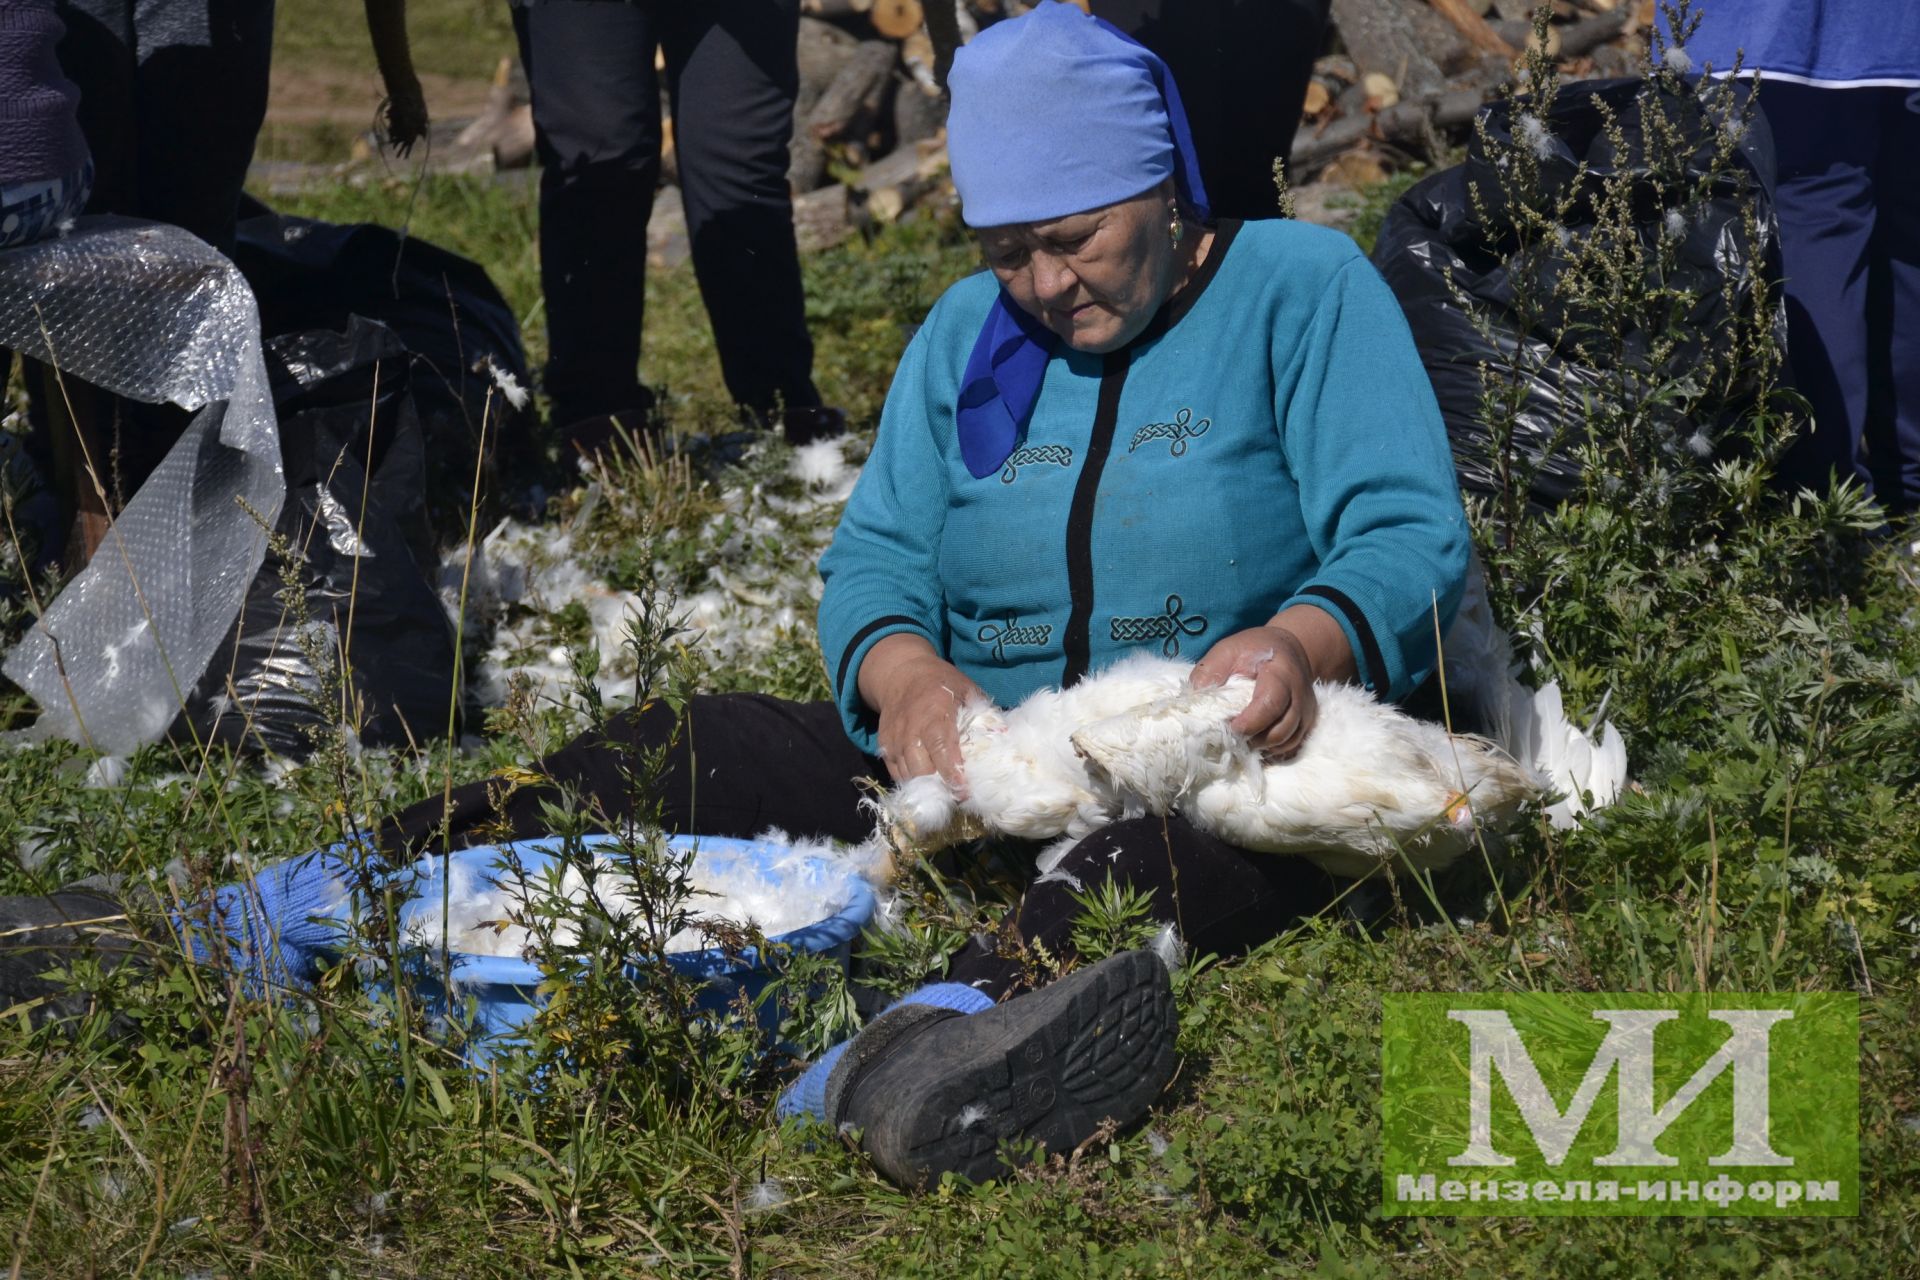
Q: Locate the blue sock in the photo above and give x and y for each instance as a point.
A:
(278, 923)
(807, 1095)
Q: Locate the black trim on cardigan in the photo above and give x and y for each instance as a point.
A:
(846, 656)
(1113, 376)
(1369, 647)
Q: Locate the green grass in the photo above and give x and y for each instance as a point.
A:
(461, 38)
(1773, 728)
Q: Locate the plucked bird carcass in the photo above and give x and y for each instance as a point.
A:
(1370, 787)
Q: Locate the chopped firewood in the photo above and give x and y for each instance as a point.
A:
(894, 183)
(513, 144)
(1336, 66)
(849, 101)
(1468, 22)
(1356, 169)
(1523, 35)
(835, 8)
(824, 218)
(917, 114)
(896, 19)
(1380, 36)
(1408, 123)
(1319, 98)
(1589, 33)
(918, 55)
(500, 103)
(1380, 89)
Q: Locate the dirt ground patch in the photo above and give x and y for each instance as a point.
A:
(309, 94)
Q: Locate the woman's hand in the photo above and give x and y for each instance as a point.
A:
(1284, 658)
(918, 696)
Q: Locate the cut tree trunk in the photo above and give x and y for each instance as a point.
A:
(1406, 124)
(917, 114)
(1468, 22)
(824, 218)
(513, 144)
(500, 104)
(1380, 35)
(896, 19)
(823, 50)
(854, 94)
(896, 182)
(1588, 34)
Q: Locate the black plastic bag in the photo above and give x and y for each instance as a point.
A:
(1435, 231)
(353, 516)
(456, 328)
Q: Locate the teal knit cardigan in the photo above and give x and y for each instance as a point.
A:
(1270, 440)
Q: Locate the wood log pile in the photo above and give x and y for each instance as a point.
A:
(1405, 77)
(1399, 81)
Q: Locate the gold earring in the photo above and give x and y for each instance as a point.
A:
(1176, 229)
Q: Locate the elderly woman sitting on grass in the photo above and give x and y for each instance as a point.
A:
(1137, 428)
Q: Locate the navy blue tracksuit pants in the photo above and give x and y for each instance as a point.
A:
(1849, 207)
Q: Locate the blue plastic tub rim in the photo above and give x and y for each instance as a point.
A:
(472, 969)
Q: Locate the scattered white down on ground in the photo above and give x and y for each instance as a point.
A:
(486, 912)
(753, 588)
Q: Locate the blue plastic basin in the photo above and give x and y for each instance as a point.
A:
(503, 987)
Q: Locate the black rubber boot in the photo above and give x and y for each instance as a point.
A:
(932, 1091)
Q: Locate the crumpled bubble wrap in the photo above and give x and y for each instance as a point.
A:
(151, 313)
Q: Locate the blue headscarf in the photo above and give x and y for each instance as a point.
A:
(1054, 113)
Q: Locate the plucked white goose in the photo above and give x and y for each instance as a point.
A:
(1371, 787)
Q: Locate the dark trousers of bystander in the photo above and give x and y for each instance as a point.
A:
(1242, 67)
(731, 78)
(1849, 208)
(744, 762)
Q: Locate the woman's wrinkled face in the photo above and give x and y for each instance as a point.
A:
(1094, 278)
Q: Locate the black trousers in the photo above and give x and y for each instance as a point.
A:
(172, 96)
(1242, 67)
(745, 762)
(732, 80)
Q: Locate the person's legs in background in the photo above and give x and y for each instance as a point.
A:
(1827, 142)
(1242, 67)
(172, 97)
(733, 79)
(596, 120)
(1893, 424)
(200, 98)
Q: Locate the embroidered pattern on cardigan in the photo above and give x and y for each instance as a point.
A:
(1058, 455)
(1167, 628)
(1182, 429)
(1014, 634)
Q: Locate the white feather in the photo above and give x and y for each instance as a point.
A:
(1531, 725)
